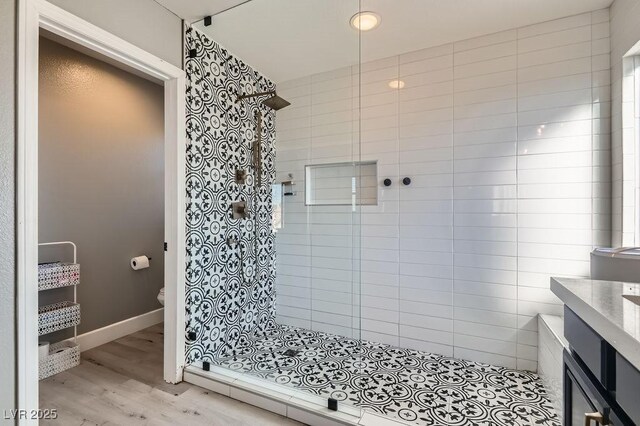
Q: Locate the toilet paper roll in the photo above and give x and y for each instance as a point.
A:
(43, 350)
(140, 262)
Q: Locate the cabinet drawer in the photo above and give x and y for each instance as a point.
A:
(586, 343)
(628, 388)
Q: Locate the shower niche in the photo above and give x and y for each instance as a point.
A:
(349, 183)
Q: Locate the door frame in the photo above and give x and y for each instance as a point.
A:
(34, 15)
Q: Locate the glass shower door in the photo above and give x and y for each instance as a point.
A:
(275, 193)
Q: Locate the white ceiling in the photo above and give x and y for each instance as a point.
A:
(286, 39)
(194, 10)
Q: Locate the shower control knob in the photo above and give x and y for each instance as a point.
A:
(406, 181)
(239, 210)
(387, 182)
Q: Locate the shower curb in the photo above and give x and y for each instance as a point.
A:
(291, 403)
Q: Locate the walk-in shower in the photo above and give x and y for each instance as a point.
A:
(381, 288)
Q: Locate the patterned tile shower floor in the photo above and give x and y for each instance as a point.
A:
(417, 387)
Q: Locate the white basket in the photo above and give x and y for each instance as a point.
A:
(58, 317)
(56, 275)
(62, 356)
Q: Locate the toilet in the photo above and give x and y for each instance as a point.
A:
(161, 296)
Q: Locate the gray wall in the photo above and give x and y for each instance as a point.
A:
(101, 180)
(141, 22)
(7, 206)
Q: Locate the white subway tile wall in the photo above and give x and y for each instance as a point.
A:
(506, 141)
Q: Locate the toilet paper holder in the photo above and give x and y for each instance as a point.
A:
(146, 262)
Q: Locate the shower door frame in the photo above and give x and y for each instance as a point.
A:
(34, 15)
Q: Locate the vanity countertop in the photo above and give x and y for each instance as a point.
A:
(601, 305)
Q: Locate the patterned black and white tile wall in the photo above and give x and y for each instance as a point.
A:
(230, 287)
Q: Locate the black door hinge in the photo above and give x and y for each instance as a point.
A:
(332, 404)
(165, 246)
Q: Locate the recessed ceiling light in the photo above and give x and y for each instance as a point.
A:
(365, 21)
(396, 84)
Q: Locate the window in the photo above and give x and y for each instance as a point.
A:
(277, 201)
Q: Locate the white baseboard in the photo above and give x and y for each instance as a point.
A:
(120, 329)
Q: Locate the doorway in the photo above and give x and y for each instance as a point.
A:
(34, 17)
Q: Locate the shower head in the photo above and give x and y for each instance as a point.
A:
(274, 102)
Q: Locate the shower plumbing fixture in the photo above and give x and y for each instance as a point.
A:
(239, 210)
(257, 151)
(276, 103)
(241, 176)
(235, 241)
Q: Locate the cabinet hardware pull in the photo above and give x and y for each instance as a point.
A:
(597, 417)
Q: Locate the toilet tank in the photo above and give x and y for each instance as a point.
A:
(616, 264)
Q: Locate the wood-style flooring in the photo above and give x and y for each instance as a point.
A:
(120, 383)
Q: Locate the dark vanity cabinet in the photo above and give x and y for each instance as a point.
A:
(628, 388)
(600, 386)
